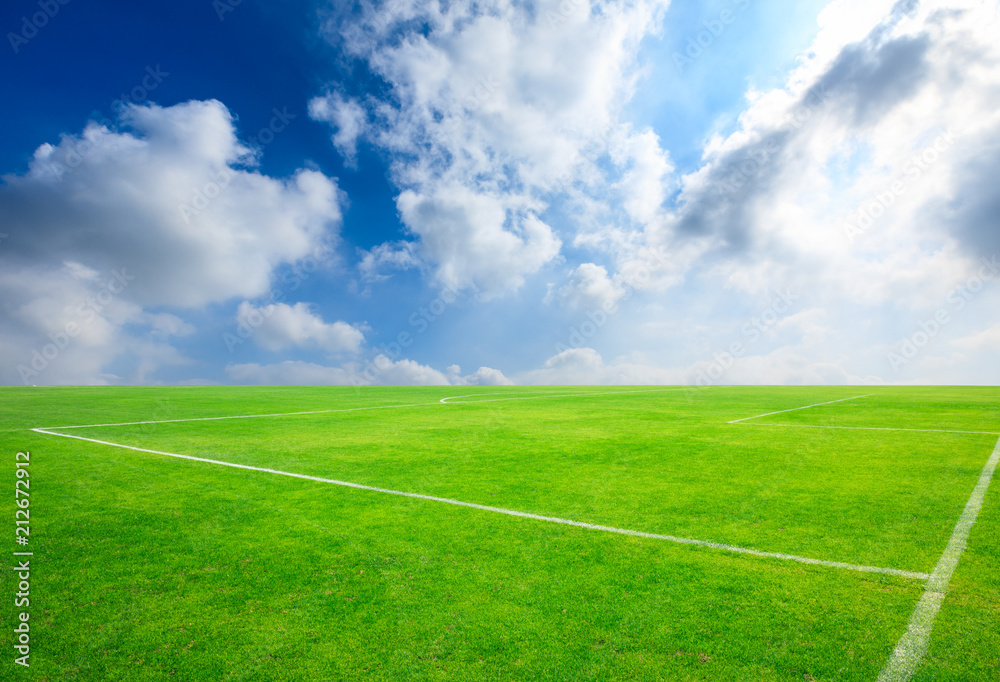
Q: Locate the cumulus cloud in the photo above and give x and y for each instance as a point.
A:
(280, 326)
(381, 370)
(586, 367)
(132, 200)
(406, 372)
(864, 182)
(590, 288)
(787, 365)
(463, 232)
(647, 171)
(864, 177)
(171, 201)
(62, 323)
(347, 118)
(164, 325)
(484, 376)
(492, 110)
(289, 372)
(986, 340)
(487, 376)
(382, 258)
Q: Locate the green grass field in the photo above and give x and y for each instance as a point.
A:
(152, 567)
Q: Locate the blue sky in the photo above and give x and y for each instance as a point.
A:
(732, 191)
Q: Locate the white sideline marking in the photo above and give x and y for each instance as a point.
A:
(875, 428)
(555, 395)
(805, 407)
(511, 512)
(912, 646)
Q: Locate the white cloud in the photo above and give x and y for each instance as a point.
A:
(854, 122)
(387, 256)
(986, 340)
(590, 288)
(348, 119)
(484, 376)
(172, 201)
(464, 233)
(890, 122)
(786, 365)
(405, 373)
(644, 183)
(496, 108)
(53, 329)
(279, 326)
(586, 367)
(132, 201)
(289, 372)
(68, 325)
(381, 371)
(505, 128)
(164, 325)
(487, 376)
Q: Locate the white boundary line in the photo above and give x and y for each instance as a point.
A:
(510, 512)
(804, 407)
(912, 646)
(875, 428)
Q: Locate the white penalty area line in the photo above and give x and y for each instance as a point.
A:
(804, 407)
(912, 646)
(519, 514)
(745, 421)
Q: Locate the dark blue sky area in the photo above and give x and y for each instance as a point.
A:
(258, 57)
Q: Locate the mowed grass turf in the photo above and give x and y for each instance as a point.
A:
(148, 566)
